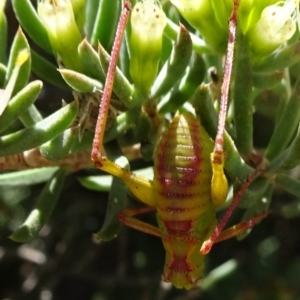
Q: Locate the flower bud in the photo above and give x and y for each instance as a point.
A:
(79, 12)
(275, 26)
(209, 17)
(249, 12)
(147, 24)
(63, 33)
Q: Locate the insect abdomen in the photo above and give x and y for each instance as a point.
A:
(182, 174)
(182, 183)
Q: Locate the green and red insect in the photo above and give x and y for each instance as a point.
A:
(189, 180)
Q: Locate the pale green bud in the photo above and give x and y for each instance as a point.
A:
(249, 12)
(63, 33)
(79, 12)
(275, 26)
(209, 17)
(147, 24)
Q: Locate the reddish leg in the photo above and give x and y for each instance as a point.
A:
(209, 243)
(104, 106)
(240, 228)
(127, 217)
(219, 183)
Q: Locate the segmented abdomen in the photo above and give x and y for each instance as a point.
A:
(182, 184)
(182, 174)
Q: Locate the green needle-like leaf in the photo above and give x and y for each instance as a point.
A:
(116, 199)
(27, 177)
(31, 116)
(19, 48)
(121, 124)
(61, 145)
(288, 159)
(97, 183)
(90, 61)
(20, 103)
(267, 81)
(199, 45)
(47, 71)
(80, 82)
(42, 210)
(260, 202)
(243, 104)
(39, 133)
(7, 93)
(106, 23)
(91, 10)
(30, 21)
(175, 67)
(3, 71)
(255, 194)
(3, 34)
(280, 59)
(286, 125)
(289, 184)
(187, 86)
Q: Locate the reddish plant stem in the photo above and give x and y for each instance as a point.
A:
(108, 87)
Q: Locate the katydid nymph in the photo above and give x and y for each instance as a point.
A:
(189, 180)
